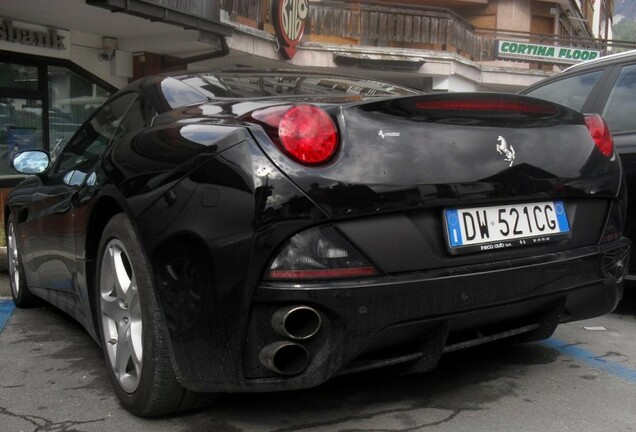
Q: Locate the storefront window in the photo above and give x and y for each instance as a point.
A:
(20, 129)
(42, 103)
(72, 99)
(27, 123)
(20, 112)
(18, 76)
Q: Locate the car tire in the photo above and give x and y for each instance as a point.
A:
(22, 295)
(131, 329)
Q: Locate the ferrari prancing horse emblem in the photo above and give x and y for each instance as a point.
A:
(507, 150)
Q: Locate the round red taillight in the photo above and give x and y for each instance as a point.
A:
(308, 135)
(305, 133)
(600, 134)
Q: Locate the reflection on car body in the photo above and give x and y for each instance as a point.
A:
(268, 230)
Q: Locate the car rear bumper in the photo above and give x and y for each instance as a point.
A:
(411, 319)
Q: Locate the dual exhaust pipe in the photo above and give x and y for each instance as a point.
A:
(297, 323)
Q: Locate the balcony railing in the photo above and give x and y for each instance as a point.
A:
(379, 24)
(373, 24)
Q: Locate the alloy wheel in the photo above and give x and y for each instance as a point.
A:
(121, 315)
(14, 260)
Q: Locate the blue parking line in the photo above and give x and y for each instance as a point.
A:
(591, 359)
(6, 308)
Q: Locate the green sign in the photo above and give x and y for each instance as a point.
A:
(544, 53)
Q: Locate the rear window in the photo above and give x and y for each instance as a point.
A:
(252, 85)
(571, 92)
(177, 94)
(620, 109)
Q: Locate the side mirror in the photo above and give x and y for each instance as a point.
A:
(30, 162)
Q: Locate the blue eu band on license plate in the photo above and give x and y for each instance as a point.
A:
(499, 227)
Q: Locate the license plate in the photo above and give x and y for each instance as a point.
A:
(500, 227)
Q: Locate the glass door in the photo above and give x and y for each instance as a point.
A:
(21, 116)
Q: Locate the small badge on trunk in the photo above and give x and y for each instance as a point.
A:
(384, 134)
(507, 150)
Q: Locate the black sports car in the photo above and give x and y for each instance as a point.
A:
(258, 231)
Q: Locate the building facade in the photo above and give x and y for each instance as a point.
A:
(451, 45)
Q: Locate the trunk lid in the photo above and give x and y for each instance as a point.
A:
(453, 149)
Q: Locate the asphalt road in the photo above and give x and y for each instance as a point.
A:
(52, 379)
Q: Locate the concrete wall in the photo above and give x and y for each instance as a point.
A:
(85, 52)
(514, 15)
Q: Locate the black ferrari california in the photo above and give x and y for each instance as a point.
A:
(246, 231)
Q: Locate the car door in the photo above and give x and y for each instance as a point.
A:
(51, 223)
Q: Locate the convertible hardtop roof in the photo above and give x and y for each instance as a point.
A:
(152, 80)
(181, 89)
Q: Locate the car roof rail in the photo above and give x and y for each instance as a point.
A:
(603, 59)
